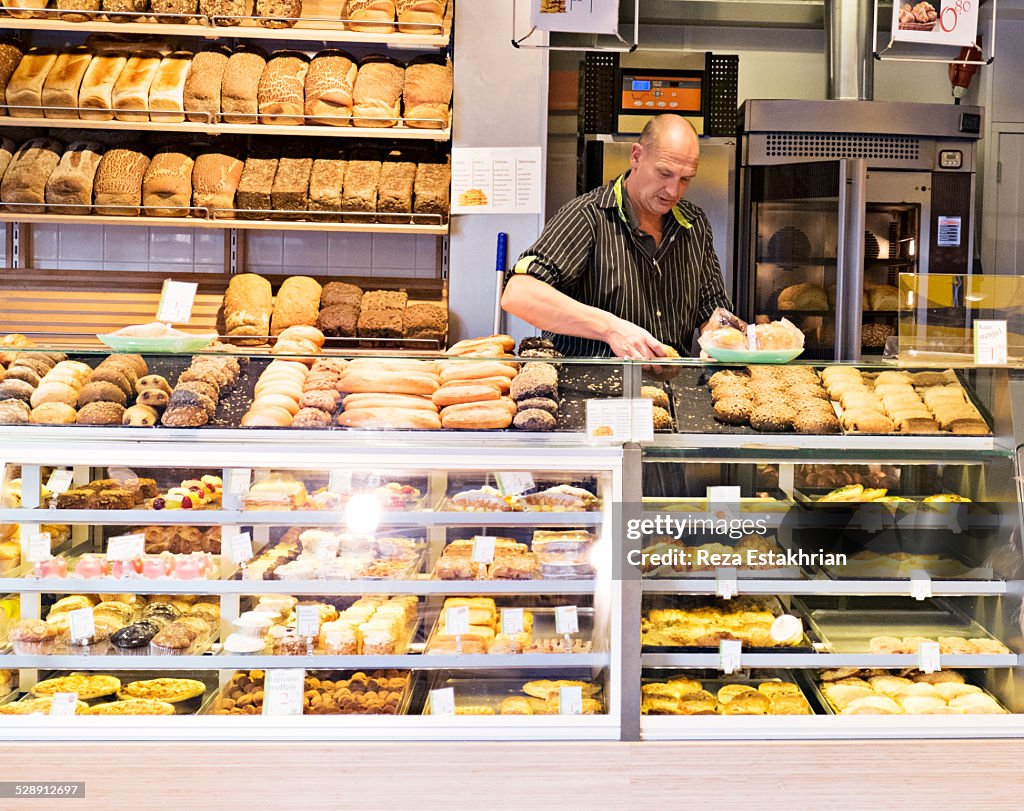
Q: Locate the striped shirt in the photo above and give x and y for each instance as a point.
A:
(594, 251)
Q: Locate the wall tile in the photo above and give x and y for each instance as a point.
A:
(80, 243)
(308, 251)
(392, 251)
(353, 252)
(264, 248)
(126, 244)
(44, 244)
(168, 245)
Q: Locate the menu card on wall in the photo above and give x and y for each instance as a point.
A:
(496, 180)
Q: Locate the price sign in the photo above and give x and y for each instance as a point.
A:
(307, 620)
(512, 621)
(83, 623)
(609, 420)
(512, 484)
(63, 703)
(570, 700)
(729, 651)
(643, 419)
(238, 481)
(176, 299)
(928, 657)
(726, 583)
(126, 547)
(724, 502)
(340, 481)
(456, 620)
(567, 620)
(241, 548)
(39, 547)
(442, 701)
(990, 342)
(483, 548)
(282, 692)
(920, 584)
(59, 481)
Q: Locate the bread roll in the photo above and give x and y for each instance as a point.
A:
(131, 90)
(215, 178)
(420, 16)
(170, 11)
(71, 183)
(354, 402)
(370, 16)
(63, 82)
(167, 186)
(11, 53)
(291, 185)
(118, 182)
(167, 93)
(25, 89)
(255, 186)
(227, 12)
(326, 181)
(329, 85)
(25, 179)
(278, 13)
(390, 419)
(280, 92)
(240, 86)
(377, 94)
(465, 392)
(121, 11)
(430, 192)
(97, 88)
(395, 195)
(359, 196)
(473, 417)
(298, 302)
(427, 94)
(247, 305)
(359, 382)
(201, 96)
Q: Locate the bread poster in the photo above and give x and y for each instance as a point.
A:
(577, 16)
(939, 22)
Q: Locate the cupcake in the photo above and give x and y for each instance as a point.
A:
(285, 642)
(176, 639)
(207, 611)
(163, 611)
(33, 637)
(339, 639)
(134, 639)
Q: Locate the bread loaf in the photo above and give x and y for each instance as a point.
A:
(98, 86)
(326, 181)
(215, 178)
(11, 53)
(25, 179)
(329, 85)
(121, 11)
(427, 94)
(254, 189)
(69, 187)
(280, 92)
(297, 303)
(386, 418)
(7, 150)
(377, 94)
(226, 12)
(371, 16)
(278, 13)
(430, 192)
(291, 183)
(240, 85)
(63, 82)
(25, 89)
(117, 190)
(247, 305)
(420, 16)
(131, 90)
(75, 9)
(359, 197)
(24, 9)
(388, 383)
(167, 93)
(201, 96)
(394, 199)
(167, 186)
(170, 11)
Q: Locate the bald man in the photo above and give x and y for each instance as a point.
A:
(627, 269)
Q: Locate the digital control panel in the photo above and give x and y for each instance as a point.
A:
(654, 92)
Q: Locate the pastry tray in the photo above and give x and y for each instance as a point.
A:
(714, 680)
(191, 706)
(831, 709)
(850, 630)
(543, 625)
(778, 502)
(490, 692)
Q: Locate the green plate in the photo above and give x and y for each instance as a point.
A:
(187, 343)
(751, 356)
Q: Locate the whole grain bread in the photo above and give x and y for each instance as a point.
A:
(70, 185)
(117, 189)
(202, 87)
(167, 186)
(240, 86)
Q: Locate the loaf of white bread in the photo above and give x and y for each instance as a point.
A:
(69, 187)
(215, 177)
(97, 90)
(420, 16)
(167, 92)
(25, 89)
(131, 90)
(371, 16)
(117, 189)
(167, 185)
(281, 89)
(427, 94)
(60, 90)
(377, 93)
(330, 81)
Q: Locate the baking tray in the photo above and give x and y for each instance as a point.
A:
(192, 706)
(850, 630)
(489, 692)
(831, 709)
(713, 680)
(578, 383)
(543, 625)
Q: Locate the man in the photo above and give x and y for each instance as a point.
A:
(628, 268)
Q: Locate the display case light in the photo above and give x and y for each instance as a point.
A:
(362, 514)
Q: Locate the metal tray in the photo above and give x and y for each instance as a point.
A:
(713, 680)
(487, 692)
(192, 706)
(543, 625)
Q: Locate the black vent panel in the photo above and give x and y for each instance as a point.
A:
(842, 145)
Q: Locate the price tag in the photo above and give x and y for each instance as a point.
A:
(920, 584)
(609, 420)
(726, 584)
(59, 481)
(241, 548)
(570, 700)
(729, 651)
(724, 502)
(442, 701)
(512, 621)
(326, 550)
(307, 620)
(990, 342)
(483, 548)
(238, 481)
(567, 620)
(176, 299)
(928, 657)
(456, 620)
(39, 547)
(282, 692)
(340, 481)
(83, 623)
(512, 484)
(63, 703)
(126, 547)
(787, 628)
(642, 429)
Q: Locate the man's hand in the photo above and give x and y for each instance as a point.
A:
(631, 342)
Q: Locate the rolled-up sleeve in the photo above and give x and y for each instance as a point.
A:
(564, 249)
(712, 287)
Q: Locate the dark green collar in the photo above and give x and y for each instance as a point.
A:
(622, 205)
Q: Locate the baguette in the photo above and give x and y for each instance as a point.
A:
(420, 16)
(389, 401)
(97, 88)
(25, 89)
(387, 383)
(371, 16)
(475, 369)
(201, 96)
(167, 186)
(330, 83)
(63, 82)
(470, 345)
(476, 417)
(167, 93)
(464, 392)
(503, 383)
(427, 367)
(25, 179)
(281, 89)
(390, 418)
(69, 187)
(377, 94)
(131, 91)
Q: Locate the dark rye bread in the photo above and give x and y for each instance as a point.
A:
(257, 182)
(291, 183)
(425, 320)
(380, 324)
(338, 320)
(341, 293)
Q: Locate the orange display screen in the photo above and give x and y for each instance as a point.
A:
(660, 94)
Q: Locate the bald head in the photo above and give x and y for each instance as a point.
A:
(667, 128)
(662, 164)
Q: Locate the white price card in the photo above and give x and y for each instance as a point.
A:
(238, 481)
(729, 652)
(83, 623)
(176, 299)
(609, 420)
(283, 691)
(928, 657)
(512, 621)
(990, 342)
(326, 550)
(920, 584)
(60, 481)
(456, 620)
(340, 481)
(642, 429)
(126, 547)
(570, 700)
(442, 701)
(726, 583)
(483, 548)
(724, 502)
(39, 547)
(63, 703)
(307, 620)
(567, 620)
(241, 548)
(514, 483)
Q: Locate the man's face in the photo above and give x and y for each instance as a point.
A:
(660, 174)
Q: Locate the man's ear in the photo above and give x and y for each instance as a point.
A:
(635, 152)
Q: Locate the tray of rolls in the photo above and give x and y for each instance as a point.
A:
(761, 692)
(515, 696)
(862, 691)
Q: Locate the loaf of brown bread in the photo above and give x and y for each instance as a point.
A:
(117, 190)
(215, 177)
(278, 13)
(7, 149)
(167, 186)
(359, 197)
(255, 186)
(202, 87)
(240, 85)
(431, 192)
(297, 303)
(25, 88)
(227, 12)
(75, 8)
(394, 200)
(98, 85)
(63, 82)
(11, 52)
(25, 179)
(280, 92)
(371, 16)
(420, 16)
(326, 182)
(24, 9)
(329, 85)
(377, 94)
(247, 305)
(427, 94)
(131, 91)
(69, 187)
(167, 93)
(291, 183)
(123, 11)
(169, 11)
